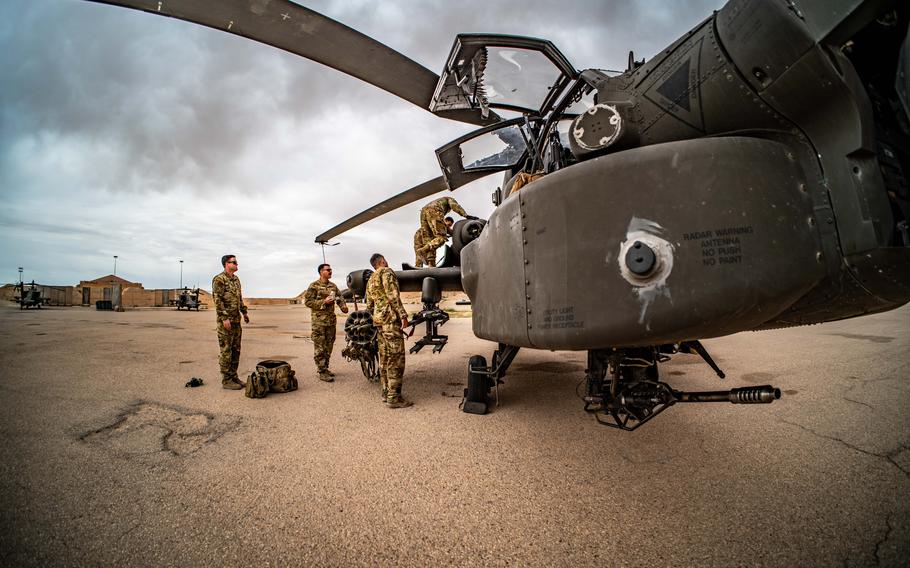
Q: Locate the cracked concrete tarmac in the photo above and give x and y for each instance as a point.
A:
(109, 460)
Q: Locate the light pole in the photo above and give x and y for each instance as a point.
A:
(115, 265)
(20, 275)
(181, 274)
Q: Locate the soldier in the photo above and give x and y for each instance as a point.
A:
(228, 308)
(419, 240)
(321, 297)
(435, 229)
(389, 316)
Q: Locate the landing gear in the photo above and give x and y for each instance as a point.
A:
(623, 389)
(482, 379)
(476, 396)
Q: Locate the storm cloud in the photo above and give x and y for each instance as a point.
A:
(158, 140)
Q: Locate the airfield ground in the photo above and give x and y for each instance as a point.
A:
(107, 459)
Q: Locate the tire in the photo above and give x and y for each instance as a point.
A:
(478, 385)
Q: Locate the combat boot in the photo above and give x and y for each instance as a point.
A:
(399, 402)
(329, 373)
(231, 385)
(325, 376)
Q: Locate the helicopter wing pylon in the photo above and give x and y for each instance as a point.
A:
(301, 31)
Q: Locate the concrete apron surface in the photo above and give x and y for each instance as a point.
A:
(108, 459)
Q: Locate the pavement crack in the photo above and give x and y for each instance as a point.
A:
(146, 429)
(883, 540)
(888, 457)
(894, 453)
(848, 399)
(129, 530)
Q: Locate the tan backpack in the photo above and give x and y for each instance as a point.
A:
(271, 376)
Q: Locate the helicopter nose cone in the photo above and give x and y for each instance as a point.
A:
(640, 259)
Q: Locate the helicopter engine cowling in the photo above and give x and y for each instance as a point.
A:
(730, 242)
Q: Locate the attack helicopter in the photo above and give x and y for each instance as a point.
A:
(188, 298)
(29, 295)
(750, 176)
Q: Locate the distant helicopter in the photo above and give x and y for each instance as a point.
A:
(752, 175)
(188, 298)
(29, 295)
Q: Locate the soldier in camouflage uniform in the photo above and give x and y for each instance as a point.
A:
(434, 227)
(228, 309)
(422, 239)
(321, 297)
(384, 301)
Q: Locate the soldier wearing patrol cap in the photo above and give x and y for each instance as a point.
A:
(321, 297)
(228, 309)
(390, 317)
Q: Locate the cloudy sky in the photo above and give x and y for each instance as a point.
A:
(124, 133)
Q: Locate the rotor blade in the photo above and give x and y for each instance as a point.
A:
(291, 27)
(425, 189)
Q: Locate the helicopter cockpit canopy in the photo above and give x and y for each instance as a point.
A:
(482, 152)
(512, 73)
(499, 71)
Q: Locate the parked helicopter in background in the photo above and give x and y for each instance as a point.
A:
(752, 175)
(188, 298)
(29, 295)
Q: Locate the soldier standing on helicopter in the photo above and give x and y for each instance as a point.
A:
(419, 239)
(436, 229)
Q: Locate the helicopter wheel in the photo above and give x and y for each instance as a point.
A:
(475, 396)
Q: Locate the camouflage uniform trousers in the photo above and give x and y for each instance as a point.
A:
(391, 360)
(424, 257)
(432, 224)
(229, 343)
(419, 258)
(323, 335)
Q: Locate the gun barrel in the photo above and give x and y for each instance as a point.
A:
(764, 394)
